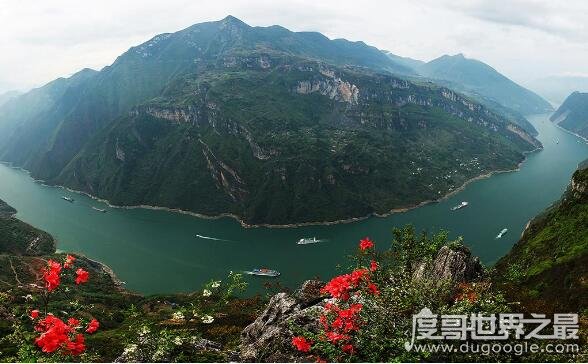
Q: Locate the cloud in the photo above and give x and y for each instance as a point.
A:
(567, 21)
(43, 40)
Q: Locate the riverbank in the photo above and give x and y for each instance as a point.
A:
(244, 224)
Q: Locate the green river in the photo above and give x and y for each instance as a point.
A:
(156, 251)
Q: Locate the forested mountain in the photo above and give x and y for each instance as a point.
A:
(270, 125)
(573, 114)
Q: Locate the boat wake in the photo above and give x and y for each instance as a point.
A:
(210, 238)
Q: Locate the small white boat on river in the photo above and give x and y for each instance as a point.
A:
(501, 233)
(460, 206)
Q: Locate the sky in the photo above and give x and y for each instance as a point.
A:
(523, 39)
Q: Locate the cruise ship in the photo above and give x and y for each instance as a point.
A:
(305, 241)
(460, 206)
(263, 272)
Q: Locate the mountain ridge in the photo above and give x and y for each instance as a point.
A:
(476, 77)
(222, 117)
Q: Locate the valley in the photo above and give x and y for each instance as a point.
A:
(139, 244)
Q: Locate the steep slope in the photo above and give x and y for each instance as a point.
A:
(222, 117)
(278, 139)
(477, 78)
(550, 262)
(7, 96)
(573, 114)
(66, 123)
(29, 123)
(19, 238)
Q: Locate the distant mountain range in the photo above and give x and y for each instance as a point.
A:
(557, 88)
(479, 80)
(272, 126)
(573, 114)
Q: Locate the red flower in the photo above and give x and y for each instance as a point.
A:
(365, 244)
(81, 276)
(339, 287)
(348, 348)
(373, 266)
(373, 289)
(54, 334)
(358, 275)
(72, 322)
(51, 275)
(301, 344)
(69, 260)
(76, 347)
(34, 314)
(93, 326)
(334, 337)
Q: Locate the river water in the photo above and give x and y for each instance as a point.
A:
(156, 251)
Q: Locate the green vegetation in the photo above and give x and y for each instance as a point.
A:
(273, 126)
(163, 327)
(573, 114)
(551, 259)
(19, 238)
(313, 150)
(206, 326)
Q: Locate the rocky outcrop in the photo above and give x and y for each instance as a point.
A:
(224, 176)
(579, 185)
(331, 86)
(455, 265)
(268, 338)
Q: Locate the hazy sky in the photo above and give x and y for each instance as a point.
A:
(524, 39)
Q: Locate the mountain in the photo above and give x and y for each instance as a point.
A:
(411, 63)
(573, 114)
(269, 125)
(557, 88)
(143, 72)
(551, 259)
(477, 78)
(7, 96)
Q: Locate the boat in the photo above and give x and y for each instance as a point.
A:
(501, 234)
(263, 272)
(97, 209)
(68, 199)
(305, 241)
(460, 206)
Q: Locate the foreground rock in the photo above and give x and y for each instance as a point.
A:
(454, 265)
(268, 338)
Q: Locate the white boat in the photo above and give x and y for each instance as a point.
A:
(68, 199)
(305, 241)
(263, 272)
(460, 206)
(97, 209)
(501, 233)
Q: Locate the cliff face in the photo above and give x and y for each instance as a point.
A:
(548, 267)
(290, 140)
